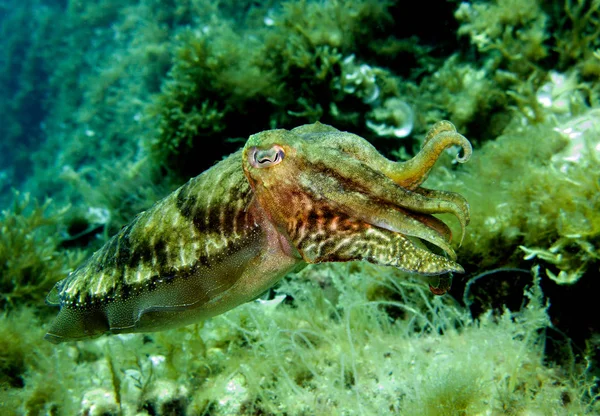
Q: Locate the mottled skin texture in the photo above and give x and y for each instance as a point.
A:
(309, 195)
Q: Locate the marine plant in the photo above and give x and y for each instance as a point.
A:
(31, 260)
(278, 71)
(545, 197)
(333, 339)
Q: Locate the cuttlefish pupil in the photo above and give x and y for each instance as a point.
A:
(232, 232)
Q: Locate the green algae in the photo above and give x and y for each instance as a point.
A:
(31, 259)
(545, 197)
(227, 80)
(325, 344)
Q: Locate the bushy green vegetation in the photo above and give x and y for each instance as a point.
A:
(31, 260)
(544, 201)
(530, 101)
(279, 70)
(336, 339)
(516, 47)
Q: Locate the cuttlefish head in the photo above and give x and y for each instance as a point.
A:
(314, 177)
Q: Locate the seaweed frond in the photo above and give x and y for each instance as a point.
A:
(31, 260)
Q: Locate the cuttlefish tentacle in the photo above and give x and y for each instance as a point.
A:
(353, 176)
(432, 222)
(405, 223)
(407, 175)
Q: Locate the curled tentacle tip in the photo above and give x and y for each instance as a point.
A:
(462, 159)
(467, 150)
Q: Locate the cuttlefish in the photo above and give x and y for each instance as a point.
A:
(288, 198)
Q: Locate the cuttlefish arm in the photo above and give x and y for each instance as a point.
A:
(440, 136)
(410, 174)
(407, 175)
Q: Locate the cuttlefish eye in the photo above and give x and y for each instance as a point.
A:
(265, 158)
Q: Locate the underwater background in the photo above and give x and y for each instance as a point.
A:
(107, 106)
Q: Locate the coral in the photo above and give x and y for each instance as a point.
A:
(31, 260)
(360, 80)
(556, 93)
